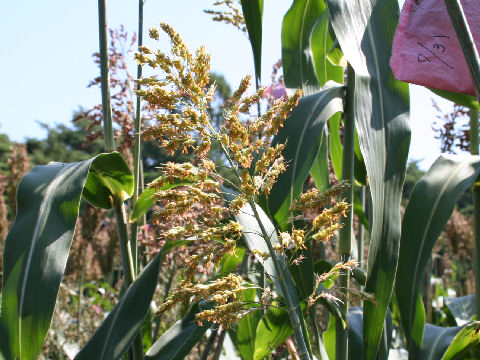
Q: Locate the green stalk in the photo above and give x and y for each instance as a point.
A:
(476, 204)
(127, 264)
(464, 35)
(345, 234)
(105, 77)
(136, 147)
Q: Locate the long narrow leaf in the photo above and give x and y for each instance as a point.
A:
(113, 338)
(297, 58)
(303, 133)
(365, 31)
(429, 209)
(37, 246)
(253, 13)
(180, 338)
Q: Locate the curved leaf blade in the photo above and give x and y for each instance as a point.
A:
(253, 13)
(365, 32)
(113, 338)
(297, 57)
(38, 243)
(436, 341)
(302, 131)
(431, 204)
(321, 42)
(109, 177)
(463, 308)
(466, 344)
(180, 338)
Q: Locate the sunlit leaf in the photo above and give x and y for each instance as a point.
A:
(38, 243)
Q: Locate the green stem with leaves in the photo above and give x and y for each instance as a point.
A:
(345, 234)
(464, 35)
(118, 203)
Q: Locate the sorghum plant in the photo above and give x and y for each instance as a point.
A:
(181, 95)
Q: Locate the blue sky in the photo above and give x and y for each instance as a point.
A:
(46, 59)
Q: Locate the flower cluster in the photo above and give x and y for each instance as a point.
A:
(182, 97)
(332, 273)
(233, 15)
(223, 292)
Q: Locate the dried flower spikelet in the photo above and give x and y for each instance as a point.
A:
(331, 215)
(333, 272)
(284, 108)
(264, 255)
(223, 290)
(232, 15)
(225, 314)
(314, 200)
(154, 33)
(326, 234)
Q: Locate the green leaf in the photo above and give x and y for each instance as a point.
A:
(431, 204)
(365, 31)
(359, 211)
(272, 330)
(244, 333)
(113, 338)
(329, 338)
(252, 234)
(38, 243)
(336, 148)
(355, 334)
(466, 344)
(320, 170)
(435, 342)
(460, 99)
(146, 200)
(229, 262)
(463, 308)
(109, 177)
(321, 42)
(180, 338)
(5, 352)
(253, 12)
(303, 133)
(297, 58)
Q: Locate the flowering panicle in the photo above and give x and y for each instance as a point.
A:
(332, 273)
(314, 200)
(223, 292)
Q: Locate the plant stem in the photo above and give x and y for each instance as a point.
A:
(464, 35)
(345, 234)
(127, 264)
(105, 77)
(292, 309)
(136, 146)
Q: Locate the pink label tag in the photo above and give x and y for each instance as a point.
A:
(425, 47)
